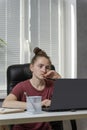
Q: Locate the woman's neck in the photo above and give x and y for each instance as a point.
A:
(38, 84)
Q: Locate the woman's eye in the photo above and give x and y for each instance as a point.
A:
(48, 67)
(40, 66)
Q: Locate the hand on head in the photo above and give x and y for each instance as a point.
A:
(52, 74)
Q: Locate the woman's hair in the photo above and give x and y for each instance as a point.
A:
(39, 53)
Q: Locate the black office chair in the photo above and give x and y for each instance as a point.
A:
(20, 72)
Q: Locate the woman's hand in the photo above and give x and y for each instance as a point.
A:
(52, 74)
(46, 102)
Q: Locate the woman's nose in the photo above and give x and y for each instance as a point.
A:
(44, 69)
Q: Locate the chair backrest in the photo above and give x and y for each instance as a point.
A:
(17, 73)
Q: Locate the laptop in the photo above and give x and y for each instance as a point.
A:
(69, 94)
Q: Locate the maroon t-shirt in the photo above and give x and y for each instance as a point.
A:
(19, 91)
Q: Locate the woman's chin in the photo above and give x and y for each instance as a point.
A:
(42, 77)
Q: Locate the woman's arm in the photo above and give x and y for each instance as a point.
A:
(11, 102)
(52, 74)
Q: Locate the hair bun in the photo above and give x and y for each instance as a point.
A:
(37, 50)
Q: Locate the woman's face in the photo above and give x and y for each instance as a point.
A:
(40, 67)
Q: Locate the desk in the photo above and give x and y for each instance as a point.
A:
(24, 117)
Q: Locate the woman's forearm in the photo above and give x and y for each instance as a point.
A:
(14, 104)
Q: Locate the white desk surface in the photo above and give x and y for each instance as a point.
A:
(24, 117)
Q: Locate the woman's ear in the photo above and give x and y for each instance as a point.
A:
(31, 67)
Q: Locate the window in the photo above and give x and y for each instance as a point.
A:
(14, 30)
(44, 27)
(53, 28)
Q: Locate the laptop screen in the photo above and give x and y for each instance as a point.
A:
(69, 94)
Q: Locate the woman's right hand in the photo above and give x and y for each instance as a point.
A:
(46, 102)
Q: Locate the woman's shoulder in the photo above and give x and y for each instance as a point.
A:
(23, 82)
(21, 86)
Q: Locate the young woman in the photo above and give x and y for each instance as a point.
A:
(41, 83)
